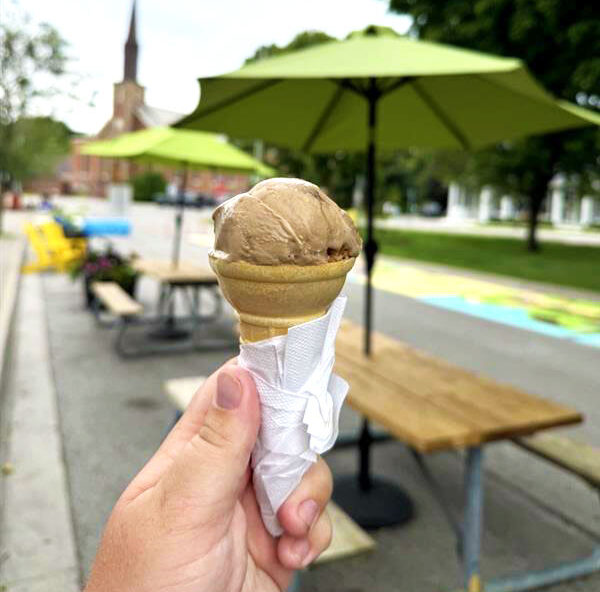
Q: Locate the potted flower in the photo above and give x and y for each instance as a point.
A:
(105, 266)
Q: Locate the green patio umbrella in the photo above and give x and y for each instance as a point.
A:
(168, 146)
(377, 90)
(185, 148)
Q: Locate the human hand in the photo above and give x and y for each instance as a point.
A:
(189, 521)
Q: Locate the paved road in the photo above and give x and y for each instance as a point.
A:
(114, 414)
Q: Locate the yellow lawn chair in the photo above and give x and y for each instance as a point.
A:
(58, 242)
(47, 258)
(38, 244)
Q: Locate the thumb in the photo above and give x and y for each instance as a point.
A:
(208, 475)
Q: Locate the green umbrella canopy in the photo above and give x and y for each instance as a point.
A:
(427, 94)
(377, 90)
(168, 146)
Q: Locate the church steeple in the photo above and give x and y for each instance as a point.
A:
(131, 50)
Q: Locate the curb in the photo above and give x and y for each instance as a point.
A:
(10, 277)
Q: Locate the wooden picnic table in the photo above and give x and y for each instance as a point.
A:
(431, 405)
(184, 273)
(188, 279)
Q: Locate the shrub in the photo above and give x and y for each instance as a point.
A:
(148, 185)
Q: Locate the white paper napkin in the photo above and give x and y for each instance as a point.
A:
(300, 400)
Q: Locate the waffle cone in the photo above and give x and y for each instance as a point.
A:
(270, 299)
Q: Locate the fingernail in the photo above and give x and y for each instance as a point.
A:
(300, 549)
(308, 511)
(229, 391)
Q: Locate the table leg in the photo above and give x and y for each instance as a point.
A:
(217, 308)
(196, 299)
(190, 295)
(439, 493)
(161, 300)
(168, 329)
(170, 305)
(473, 519)
(218, 302)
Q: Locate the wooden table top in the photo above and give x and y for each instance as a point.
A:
(184, 273)
(432, 405)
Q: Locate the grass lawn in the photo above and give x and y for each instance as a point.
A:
(566, 265)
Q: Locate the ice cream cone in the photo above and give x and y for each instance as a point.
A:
(270, 299)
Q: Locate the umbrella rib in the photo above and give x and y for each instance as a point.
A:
(395, 85)
(349, 85)
(381, 91)
(232, 100)
(325, 115)
(435, 108)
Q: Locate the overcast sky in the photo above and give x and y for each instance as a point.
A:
(180, 41)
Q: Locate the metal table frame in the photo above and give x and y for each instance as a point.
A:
(468, 525)
(468, 533)
(191, 292)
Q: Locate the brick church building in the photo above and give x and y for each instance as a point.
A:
(91, 175)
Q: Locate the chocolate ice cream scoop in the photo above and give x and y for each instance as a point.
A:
(281, 255)
(284, 222)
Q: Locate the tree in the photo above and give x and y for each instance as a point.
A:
(559, 40)
(31, 60)
(300, 41)
(146, 186)
(38, 146)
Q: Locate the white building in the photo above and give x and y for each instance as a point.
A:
(485, 205)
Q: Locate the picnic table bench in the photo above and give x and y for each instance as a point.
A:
(578, 458)
(431, 405)
(116, 299)
(121, 306)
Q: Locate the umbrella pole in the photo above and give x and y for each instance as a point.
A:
(169, 330)
(370, 249)
(179, 219)
(373, 502)
(370, 244)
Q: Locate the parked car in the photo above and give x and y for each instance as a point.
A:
(203, 200)
(190, 199)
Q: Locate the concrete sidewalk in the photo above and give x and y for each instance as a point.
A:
(37, 549)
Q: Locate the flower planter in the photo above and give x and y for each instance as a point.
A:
(105, 266)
